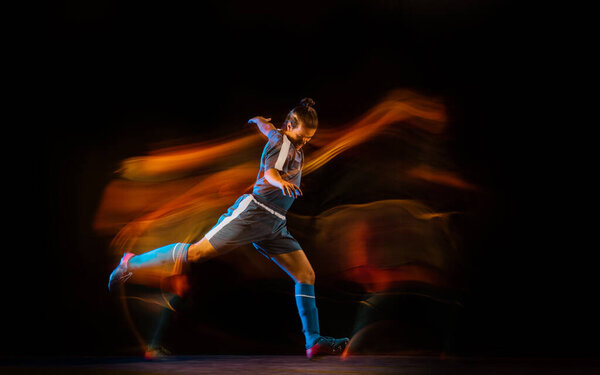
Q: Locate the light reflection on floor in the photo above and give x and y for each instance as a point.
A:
(225, 364)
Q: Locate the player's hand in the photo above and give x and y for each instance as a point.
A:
(259, 120)
(290, 189)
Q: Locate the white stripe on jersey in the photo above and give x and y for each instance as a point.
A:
(283, 153)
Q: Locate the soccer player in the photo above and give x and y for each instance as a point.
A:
(258, 218)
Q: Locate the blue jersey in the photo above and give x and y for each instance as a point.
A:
(279, 153)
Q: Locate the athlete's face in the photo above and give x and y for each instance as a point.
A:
(299, 135)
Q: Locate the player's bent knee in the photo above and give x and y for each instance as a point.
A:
(201, 251)
(306, 277)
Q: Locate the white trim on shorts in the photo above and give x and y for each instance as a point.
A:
(282, 217)
(241, 208)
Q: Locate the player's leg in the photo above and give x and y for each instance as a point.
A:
(154, 267)
(296, 265)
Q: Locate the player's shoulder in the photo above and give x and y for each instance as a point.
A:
(275, 137)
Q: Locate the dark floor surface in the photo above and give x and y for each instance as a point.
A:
(226, 364)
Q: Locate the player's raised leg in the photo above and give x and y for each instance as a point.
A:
(296, 265)
(154, 267)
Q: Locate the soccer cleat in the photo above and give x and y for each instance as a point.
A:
(120, 275)
(327, 346)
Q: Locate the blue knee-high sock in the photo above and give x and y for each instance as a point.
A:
(170, 256)
(309, 315)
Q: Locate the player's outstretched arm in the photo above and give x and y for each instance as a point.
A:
(263, 124)
(287, 188)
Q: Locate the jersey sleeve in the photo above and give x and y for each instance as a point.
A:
(276, 151)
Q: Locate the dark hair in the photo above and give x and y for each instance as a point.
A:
(303, 113)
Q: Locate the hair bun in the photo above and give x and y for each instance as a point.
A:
(307, 102)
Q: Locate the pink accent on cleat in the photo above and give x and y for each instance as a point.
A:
(327, 346)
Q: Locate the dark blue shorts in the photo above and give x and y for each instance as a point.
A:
(252, 221)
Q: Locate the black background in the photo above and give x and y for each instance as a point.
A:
(115, 78)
